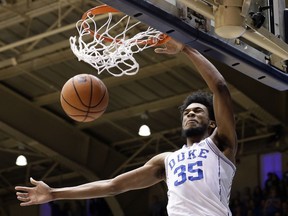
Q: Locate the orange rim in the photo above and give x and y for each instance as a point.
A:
(102, 9)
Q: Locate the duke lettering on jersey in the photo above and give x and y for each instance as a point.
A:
(191, 154)
(192, 170)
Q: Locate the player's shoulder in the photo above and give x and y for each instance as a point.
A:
(159, 159)
(158, 163)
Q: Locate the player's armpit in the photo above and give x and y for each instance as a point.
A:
(147, 175)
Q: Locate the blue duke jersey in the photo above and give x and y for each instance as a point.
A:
(199, 180)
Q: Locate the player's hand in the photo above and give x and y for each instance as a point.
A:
(171, 47)
(34, 195)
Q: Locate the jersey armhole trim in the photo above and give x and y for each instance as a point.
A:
(215, 149)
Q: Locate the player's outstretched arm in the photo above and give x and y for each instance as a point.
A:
(149, 174)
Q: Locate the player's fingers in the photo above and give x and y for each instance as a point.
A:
(33, 181)
(23, 199)
(26, 203)
(22, 194)
(21, 188)
(160, 50)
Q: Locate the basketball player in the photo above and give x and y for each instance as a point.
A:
(199, 175)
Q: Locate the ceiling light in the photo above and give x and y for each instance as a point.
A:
(144, 130)
(21, 160)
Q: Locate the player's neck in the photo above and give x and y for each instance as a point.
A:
(196, 139)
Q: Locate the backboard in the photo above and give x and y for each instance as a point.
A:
(254, 45)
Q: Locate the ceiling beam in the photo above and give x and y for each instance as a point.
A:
(37, 9)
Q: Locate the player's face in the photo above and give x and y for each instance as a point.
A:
(195, 120)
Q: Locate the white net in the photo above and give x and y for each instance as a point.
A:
(106, 50)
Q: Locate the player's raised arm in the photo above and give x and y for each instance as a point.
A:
(149, 174)
(225, 132)
(224, 115)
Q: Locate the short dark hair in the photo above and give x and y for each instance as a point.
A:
(203, 97)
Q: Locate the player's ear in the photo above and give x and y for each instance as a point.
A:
(212, 124)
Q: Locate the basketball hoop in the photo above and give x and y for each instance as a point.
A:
(104, 49)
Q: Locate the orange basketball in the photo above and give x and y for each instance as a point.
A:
(84, 98)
